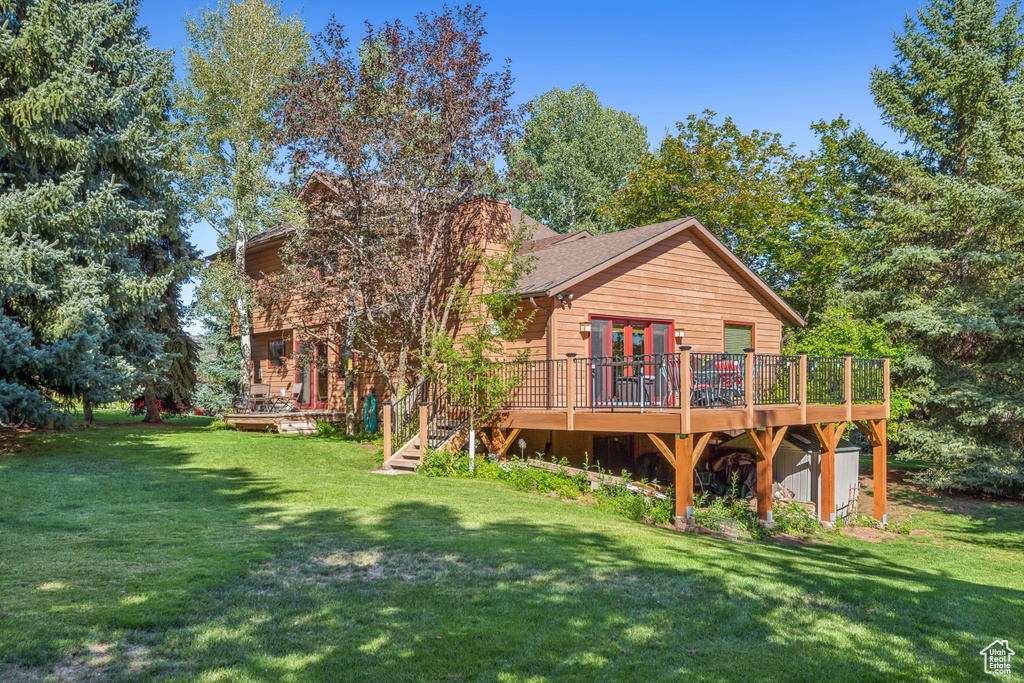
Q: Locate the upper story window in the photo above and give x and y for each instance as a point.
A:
(276, 353)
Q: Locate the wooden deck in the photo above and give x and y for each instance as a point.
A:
(291, 422)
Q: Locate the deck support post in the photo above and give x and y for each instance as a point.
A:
(685, 385)
(387, 433)
(828, 439)
(748, 386)
(766, 443)
(424, 427)
(875, 430)
(848, 384)
(683, 448)
(570, 390)
(802, 386)
(879, 471)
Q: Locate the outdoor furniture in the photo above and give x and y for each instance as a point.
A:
(254, 402)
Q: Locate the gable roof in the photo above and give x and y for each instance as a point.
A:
(569, 262)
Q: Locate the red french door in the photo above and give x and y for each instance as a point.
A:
(311, 375)
(627, 360)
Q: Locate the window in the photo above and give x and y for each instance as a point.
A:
(738, 336)
(627, 338)
(276, 353)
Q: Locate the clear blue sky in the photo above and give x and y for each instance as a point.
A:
(772, 66)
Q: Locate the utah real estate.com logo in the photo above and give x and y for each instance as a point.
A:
(997, 658)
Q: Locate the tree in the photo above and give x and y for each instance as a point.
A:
(786, 215)
(575, 154)
(408, 126)
(943, 240)
(467, 358)
(238, 57)
(85, 193)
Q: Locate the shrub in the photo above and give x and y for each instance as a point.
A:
(795, 518)
(219, 423)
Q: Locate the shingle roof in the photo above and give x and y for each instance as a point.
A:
(566, 263)
(558, 264)
(539, 231)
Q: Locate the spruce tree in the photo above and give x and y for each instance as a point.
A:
(85, 201)
(944, 237)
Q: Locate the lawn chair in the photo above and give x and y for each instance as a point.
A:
(730, 382)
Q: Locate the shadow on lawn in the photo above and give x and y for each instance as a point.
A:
(416, 591)
(421, 595)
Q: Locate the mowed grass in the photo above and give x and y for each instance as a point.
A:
(181, 552)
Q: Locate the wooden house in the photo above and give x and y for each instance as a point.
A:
(652, 340)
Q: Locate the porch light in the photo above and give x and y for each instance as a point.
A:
(585, 327)
(679, 335)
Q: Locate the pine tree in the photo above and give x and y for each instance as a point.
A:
(85, 193)
(944, 237)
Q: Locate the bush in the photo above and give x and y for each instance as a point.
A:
(219, 423)
(795, 518)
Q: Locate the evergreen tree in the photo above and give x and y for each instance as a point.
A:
(575, 154)
(944, 237)
(85, 194)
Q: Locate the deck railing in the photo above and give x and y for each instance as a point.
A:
(868, 380)
(826, 379)
(534, 383)
(776, 380)
(677, 382)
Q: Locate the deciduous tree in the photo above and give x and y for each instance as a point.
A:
(236, 61)
(574, 155)
(408, 125)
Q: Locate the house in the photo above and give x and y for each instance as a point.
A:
(652, 340)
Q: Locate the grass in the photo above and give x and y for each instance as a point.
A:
(187, 553)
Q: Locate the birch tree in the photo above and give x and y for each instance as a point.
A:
(236, 61)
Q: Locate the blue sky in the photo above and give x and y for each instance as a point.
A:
(772, 66)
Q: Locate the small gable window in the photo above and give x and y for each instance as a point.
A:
(738, 336)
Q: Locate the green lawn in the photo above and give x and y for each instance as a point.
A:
(135, 552)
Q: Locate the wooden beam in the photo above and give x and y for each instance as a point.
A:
(879, 471)
(698, 450)
(663, 447)
(865, 431)
(764, 441)
(827, 471)
(778, 439)
(509, 440)
(762, 452)
(683, 457)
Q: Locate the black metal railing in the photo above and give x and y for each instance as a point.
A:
(717, 380)
(867, 377)
(405, 411)
(776, 379)
(647, 381)
(533, 383)
(826, 379)
(444, 419)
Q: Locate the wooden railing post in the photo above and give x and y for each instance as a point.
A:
(387, 434)
(685, 384)
(802, 386)
(848, 384)
(748, 386)
(885, 385)
(570, 390)
(424, 427)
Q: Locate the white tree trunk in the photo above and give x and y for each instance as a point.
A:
(242, 307)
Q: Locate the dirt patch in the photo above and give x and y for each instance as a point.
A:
(869, 534)
(94, 663)
(787, 539)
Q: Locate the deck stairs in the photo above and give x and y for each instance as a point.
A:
(443, 432)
